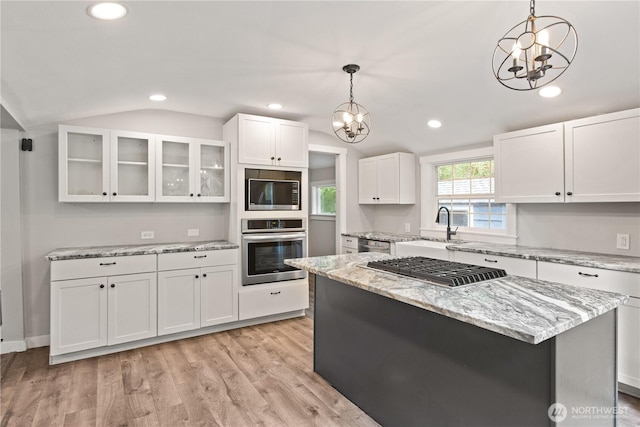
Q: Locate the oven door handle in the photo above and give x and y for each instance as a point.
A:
(287, 236)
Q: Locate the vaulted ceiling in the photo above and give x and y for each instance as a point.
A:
(419, 60)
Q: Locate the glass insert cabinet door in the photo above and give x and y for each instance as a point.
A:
(132, 166)
(175, 168)
(83, 164)
(212, 170)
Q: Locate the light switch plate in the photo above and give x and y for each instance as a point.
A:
(622, 241)
(147, 235)
(192, 232)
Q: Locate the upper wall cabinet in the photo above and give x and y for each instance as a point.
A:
(190, 169)
(588, 160)
(101, 165)
(268, 141)
(387, 179)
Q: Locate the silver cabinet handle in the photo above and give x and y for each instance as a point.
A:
(107, 263)
(587, 274)
(491, 260)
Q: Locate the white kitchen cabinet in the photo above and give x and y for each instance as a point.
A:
(588, 160)
(349, 245)
(192, 170)
(513, 266)
(628, 314)
(529, 165)
(387, 179)
(269, 141)
(197, 289)
(273, 298)
(602, 158)
(102, 165)
(94, 312)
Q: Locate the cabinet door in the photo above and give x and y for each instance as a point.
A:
(513, 266)
(132, 167)
(83, 164)
(256, 140)
(132, 308)
(265, 300)
(178, 300)
(78, 315)
(291, 144)
(529, 165)
(629, 343)
(388, 178)
(218, 295)
(212, 172)
(602, 155)
(367, 181)
(174, 169)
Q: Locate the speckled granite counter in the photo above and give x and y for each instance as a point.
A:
(382, 236)
(586, 259)
(127, 250)
(525, 309)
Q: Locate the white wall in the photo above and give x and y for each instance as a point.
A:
(10, 240)
(48, 224)
(589, 227)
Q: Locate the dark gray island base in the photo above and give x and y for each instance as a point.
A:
(407, 366)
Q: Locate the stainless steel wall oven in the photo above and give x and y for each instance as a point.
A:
(266, 243)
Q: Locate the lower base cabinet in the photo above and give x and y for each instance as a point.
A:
(628, 314)
(273, 298)
(513, 266)
(101, 311)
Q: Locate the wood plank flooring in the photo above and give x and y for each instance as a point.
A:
(255, 376)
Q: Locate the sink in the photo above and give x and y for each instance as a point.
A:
(426, 248)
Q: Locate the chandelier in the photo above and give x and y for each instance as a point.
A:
(535, 52)
(351, 121)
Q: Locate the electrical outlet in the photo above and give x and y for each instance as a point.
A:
(192, 232)
(147, 235)
(622, 241)
(407, 227)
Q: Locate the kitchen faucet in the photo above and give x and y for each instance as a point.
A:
(449, 232)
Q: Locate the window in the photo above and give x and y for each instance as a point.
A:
(323, 198)
(467, 189)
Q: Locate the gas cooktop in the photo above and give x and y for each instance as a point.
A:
(438, 271)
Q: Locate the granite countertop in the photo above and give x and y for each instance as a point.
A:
(560, 256)
(525, 309)
(382, 236)
(127, 250)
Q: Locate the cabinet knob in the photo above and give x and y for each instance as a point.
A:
(204, 275)
(101, 286)
(199, 194)
(558, 193)
(569, 193)
(115, 194)
(191, 195)
(104, 193)
(113, 285)
(279, 158)
(197, 277)
(273, 158)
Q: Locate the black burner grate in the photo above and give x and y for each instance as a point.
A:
(438, 271)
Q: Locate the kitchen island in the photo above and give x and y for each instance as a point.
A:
(499, 352)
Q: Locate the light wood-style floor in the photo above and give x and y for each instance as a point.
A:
(260, 375)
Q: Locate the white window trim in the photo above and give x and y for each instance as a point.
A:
(429, 205)
(314, 200)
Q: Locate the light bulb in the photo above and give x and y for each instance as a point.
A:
(359, 118)
(515, 52)
(347, 117)
(542, 37)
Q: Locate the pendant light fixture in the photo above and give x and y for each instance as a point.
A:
(535, 52)
(351, 121)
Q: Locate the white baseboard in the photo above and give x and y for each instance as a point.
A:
(39, 341)
(12, 346)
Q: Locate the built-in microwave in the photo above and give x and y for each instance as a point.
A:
(272, 190)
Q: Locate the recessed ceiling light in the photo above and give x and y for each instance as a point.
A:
(107, 11)
(157, 97)
(275, 106)
(550, 91)
(434, 124)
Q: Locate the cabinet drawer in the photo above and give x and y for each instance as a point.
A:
(263, 300)
(347, 250)
(606, 280)
(350, 242)
(96, 267)
(513, 266)
(197, 259)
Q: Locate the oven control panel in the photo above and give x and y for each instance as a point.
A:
(266, 225)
